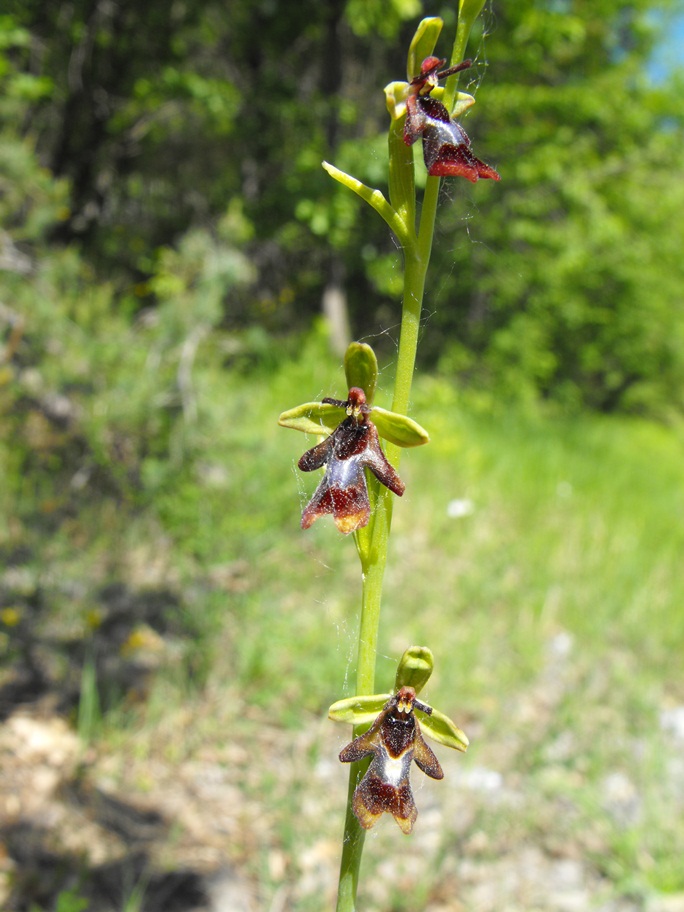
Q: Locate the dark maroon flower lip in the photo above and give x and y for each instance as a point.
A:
(394, 741)
(352, 447)
(446, 146)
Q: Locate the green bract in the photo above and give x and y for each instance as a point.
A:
(468, 11)
(374, 198)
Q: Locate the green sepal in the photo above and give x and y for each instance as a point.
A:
(422, 44)
(322, 418)
(462, 103)
(361, 368)
(414, 669)
(358, 710)
(364, 710)
(396, 94)
(399, 429)
(313, 418)
(441, 729)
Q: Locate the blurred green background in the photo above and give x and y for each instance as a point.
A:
(176, 269)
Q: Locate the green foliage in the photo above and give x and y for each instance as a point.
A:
(70, 901)
(572, 529)
(31, 200)
(89, 709)
(118, 396)
(579, 295)
(201, 127)
(373, 18)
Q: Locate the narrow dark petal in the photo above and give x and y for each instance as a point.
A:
(317, 456)
(425, 757)
(376, 461)
(358, 749)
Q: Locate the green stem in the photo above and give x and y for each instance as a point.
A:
(417, 258)
(468, 13)
(373, 546)
(374, 553)
(373, 561)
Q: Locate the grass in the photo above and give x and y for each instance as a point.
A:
(552, 605)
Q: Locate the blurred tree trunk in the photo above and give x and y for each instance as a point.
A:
(334, 299)
(335, 311)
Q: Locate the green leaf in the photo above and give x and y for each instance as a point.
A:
(422, 44)
(374, 198)
(415, 668)
(313, 418)
(358, 710)
(441, 729)
(361, 368)
(399, 429)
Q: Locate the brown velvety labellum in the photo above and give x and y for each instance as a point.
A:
(446, 146)
(394, 741)
(352, 447)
